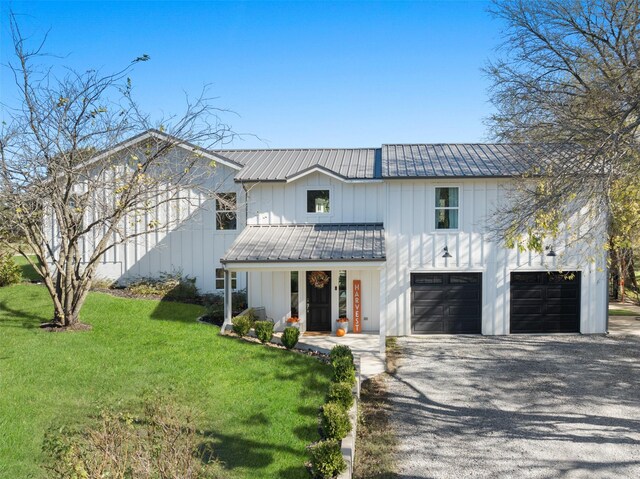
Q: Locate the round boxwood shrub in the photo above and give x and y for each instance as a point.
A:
(326, 459)
(344, 371)
(290, 337)
(341, 393)
(335, 421)
(241, 325)
(264, 330)
(340, 351)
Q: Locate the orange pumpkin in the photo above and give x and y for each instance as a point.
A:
(340, 332)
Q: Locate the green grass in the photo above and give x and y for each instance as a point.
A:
(259, 404)
(622, 312)
(28, 273)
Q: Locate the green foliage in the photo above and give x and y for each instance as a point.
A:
(341, 393)
(290, 337)
(10, 272)
(214, 306)
(96, 369)
(241, 325)
(340, 351)
(344, 370)
(174, 286)
(160, 443)
(326, 459)
(264, 330)
(335, 421)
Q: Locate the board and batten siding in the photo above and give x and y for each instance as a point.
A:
(286, 203)
(414, 245)
(192, 246)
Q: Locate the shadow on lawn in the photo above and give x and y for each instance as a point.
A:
(170, 310)
(15, 318)
(238, 452)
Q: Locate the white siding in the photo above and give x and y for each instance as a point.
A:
(414, 245)
(285, 203)
(192, 245)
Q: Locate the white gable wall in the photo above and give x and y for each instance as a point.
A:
(285, 203)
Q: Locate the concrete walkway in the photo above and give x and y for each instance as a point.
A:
(363, 345)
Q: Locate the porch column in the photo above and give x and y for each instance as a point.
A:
(383, 311)
(228, 305)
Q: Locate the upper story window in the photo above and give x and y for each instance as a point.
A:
(317, 201)
(226, 211)
(447, 208)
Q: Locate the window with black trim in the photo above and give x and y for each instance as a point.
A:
(220, 279)
(447, 208)
(226, 211)
(342, 294)
(318, 201)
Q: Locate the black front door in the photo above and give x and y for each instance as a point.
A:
(318, 304)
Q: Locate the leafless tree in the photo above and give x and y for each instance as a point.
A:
(569, 75)
(74, 187)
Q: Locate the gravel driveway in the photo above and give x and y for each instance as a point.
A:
(518, 407)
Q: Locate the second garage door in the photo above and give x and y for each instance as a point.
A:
(543, 302)
(444, 303)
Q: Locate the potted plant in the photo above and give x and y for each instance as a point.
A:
(293, 321)
(343, 323)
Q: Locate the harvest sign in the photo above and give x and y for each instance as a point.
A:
(357, 306)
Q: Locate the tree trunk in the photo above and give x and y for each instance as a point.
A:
(615, 278)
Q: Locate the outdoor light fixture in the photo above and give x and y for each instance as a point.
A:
(550, 251)
(447, 255)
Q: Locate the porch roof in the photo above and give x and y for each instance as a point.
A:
(344, 242)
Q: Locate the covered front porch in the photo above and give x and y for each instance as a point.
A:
(319, 278)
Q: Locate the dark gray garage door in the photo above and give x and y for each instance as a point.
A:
(545, 302)
(446, 303)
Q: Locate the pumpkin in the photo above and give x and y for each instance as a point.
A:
(340, 332)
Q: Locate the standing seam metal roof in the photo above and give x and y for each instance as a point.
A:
(282, 164)
(397, 161)
(308, 242)
(466, 160)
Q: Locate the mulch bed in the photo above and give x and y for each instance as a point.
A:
(57, 328)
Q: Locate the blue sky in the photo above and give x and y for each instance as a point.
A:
(296, 74)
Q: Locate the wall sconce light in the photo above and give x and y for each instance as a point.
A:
(446, 252)
(550, 253)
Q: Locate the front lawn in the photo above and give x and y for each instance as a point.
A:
(260, 404)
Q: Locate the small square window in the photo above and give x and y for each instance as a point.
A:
(226, 211)
(220, 279)
(317, 201)
(447, 208)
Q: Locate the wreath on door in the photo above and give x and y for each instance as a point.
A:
(319, 279)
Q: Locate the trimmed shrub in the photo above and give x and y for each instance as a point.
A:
(264, 331)
(10, 272)
(241, 325)
(341, 393)
(326, 459)
(160, 443)
(344, 371)
(290, 337)
(340, 351)
(335, 421)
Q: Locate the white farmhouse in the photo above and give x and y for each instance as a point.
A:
(405, 225)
